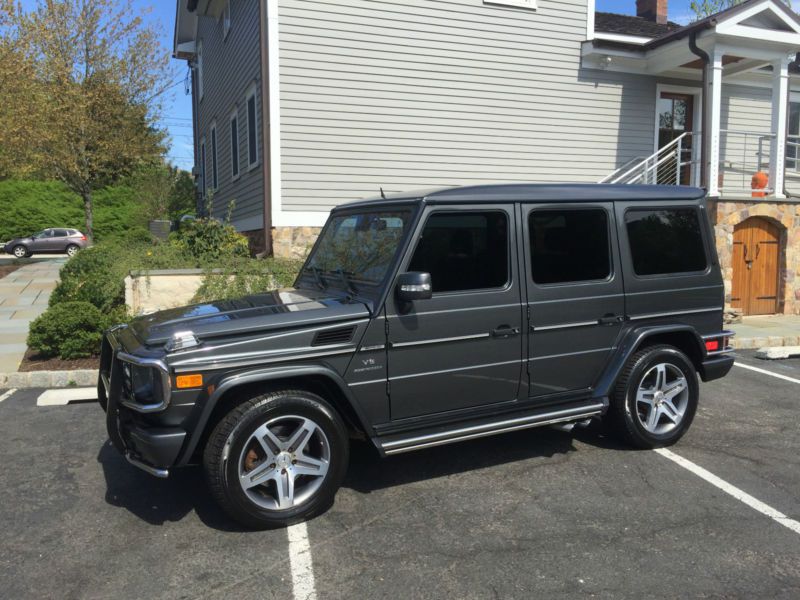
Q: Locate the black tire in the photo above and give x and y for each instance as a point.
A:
(20, 251)
(625, 415)
(230, 438)
(72, 250)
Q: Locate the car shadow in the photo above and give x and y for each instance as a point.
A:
(158, 501)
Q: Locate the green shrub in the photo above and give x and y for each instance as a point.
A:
(95, 275)
(208, 239)
(70, 330)
(30, 206)
(239, 277)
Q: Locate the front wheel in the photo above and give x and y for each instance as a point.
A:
(20, 251)
(655, 398)
(277, 458)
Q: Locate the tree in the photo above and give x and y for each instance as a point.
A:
(100, 75)
(165, 191)
(705, 8)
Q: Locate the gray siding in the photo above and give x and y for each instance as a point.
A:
(424, 93)
(231, 66)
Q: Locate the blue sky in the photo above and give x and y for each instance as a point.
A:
(678, 9)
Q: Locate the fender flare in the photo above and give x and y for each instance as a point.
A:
(230, 382)
(631, 341)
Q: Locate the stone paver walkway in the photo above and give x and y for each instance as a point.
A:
(23, 297)
(767, 330)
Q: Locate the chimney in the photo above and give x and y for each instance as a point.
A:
(652, 10)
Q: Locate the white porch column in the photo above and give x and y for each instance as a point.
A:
(777, 153)
(714, 120)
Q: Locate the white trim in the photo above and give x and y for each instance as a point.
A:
(591, 8)
(714, 134)
(292, 218)
(252, 92)
(529, 4)
(273, 58)
(777, 154)
(235, 115)
(199, 69)
(226, 20)
(620, 37)
(697, 118)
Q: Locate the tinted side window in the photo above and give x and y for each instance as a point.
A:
(569, 245)
(464, 251)
(60, 233)
(665, 241)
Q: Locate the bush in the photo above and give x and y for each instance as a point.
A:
(239, 277)
(95, 276)
(70, 330)
(30, 206)
(208, 239)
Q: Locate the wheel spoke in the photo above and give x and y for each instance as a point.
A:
(675, 388)
(308, 465)
(300, 438)
(661, 377)
(645, 397)
(668, 409)
(284, 482)
(652, 418)
(268, 440)
(259, 475)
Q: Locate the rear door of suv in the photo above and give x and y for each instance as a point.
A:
(575, 296)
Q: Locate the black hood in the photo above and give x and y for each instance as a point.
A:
(285, 308)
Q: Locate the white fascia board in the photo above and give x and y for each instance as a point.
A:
(590, 10)
(619, 37)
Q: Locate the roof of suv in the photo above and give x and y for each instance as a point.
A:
(540, 192)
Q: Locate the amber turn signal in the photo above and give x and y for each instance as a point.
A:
(189, 381)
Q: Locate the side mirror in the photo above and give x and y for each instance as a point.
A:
(414, 286)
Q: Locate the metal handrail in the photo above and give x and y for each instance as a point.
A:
(643, 164)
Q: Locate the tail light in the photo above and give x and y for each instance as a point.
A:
(83, 238)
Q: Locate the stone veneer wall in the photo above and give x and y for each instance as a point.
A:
(727, 214)
(293, 242)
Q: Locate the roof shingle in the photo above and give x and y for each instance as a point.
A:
(631, 25)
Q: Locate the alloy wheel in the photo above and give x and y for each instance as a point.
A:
(662, 398)
(20, 252)
(284, 462)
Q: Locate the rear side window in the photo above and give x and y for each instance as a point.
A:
(569, 245)
(665, 241)
(464, 251)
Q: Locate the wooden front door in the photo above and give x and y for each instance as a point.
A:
(675, 117)
(756, 254)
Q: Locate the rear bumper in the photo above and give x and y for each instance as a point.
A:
(716, 367)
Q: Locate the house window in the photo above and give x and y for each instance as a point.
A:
(199, 70)
(214, 171)
(226, 19)
(793, 137)
(569, 245)
(529, 4)
(234, 144)
(464, 251)
(252, 136)
(203, 167)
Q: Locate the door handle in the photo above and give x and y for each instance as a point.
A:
(610, 320)
(505, 331)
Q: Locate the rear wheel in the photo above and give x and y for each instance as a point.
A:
(20, 251)
(72, 250)
(277, 459)
(655, 398)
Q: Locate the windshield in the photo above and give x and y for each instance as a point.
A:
(357, 248)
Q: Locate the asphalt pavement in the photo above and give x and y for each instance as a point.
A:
(537, 513)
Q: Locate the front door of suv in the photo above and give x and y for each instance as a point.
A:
(575, 295)
(461, 348)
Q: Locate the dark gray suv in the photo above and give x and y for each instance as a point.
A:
(50, 241)
(425, 319)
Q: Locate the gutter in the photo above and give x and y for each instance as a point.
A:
(696, 50)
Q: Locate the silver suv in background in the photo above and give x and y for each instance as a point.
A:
(49, 241)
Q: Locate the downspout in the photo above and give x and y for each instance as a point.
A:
(265, 128)
(696, 50)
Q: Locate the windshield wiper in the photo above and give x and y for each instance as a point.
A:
(317, 276)
(348, 284)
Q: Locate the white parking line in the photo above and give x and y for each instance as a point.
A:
(7, 395)
(765, 372)
(726, 487)
(62, 397)
(300, 561)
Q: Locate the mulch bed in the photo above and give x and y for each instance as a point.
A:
(8, 269)
(32, 362)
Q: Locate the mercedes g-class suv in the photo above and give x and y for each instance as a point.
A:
(424, 319)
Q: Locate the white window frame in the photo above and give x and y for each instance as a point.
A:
(226, 19)
(529, 4)
(199, 69)
(252, 92)
(236, 165)
(214, 156)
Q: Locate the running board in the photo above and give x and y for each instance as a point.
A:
(396, 444)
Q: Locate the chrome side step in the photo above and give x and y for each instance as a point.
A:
(154, 471)
(439, 438)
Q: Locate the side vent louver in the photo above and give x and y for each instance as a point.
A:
(341, 335)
